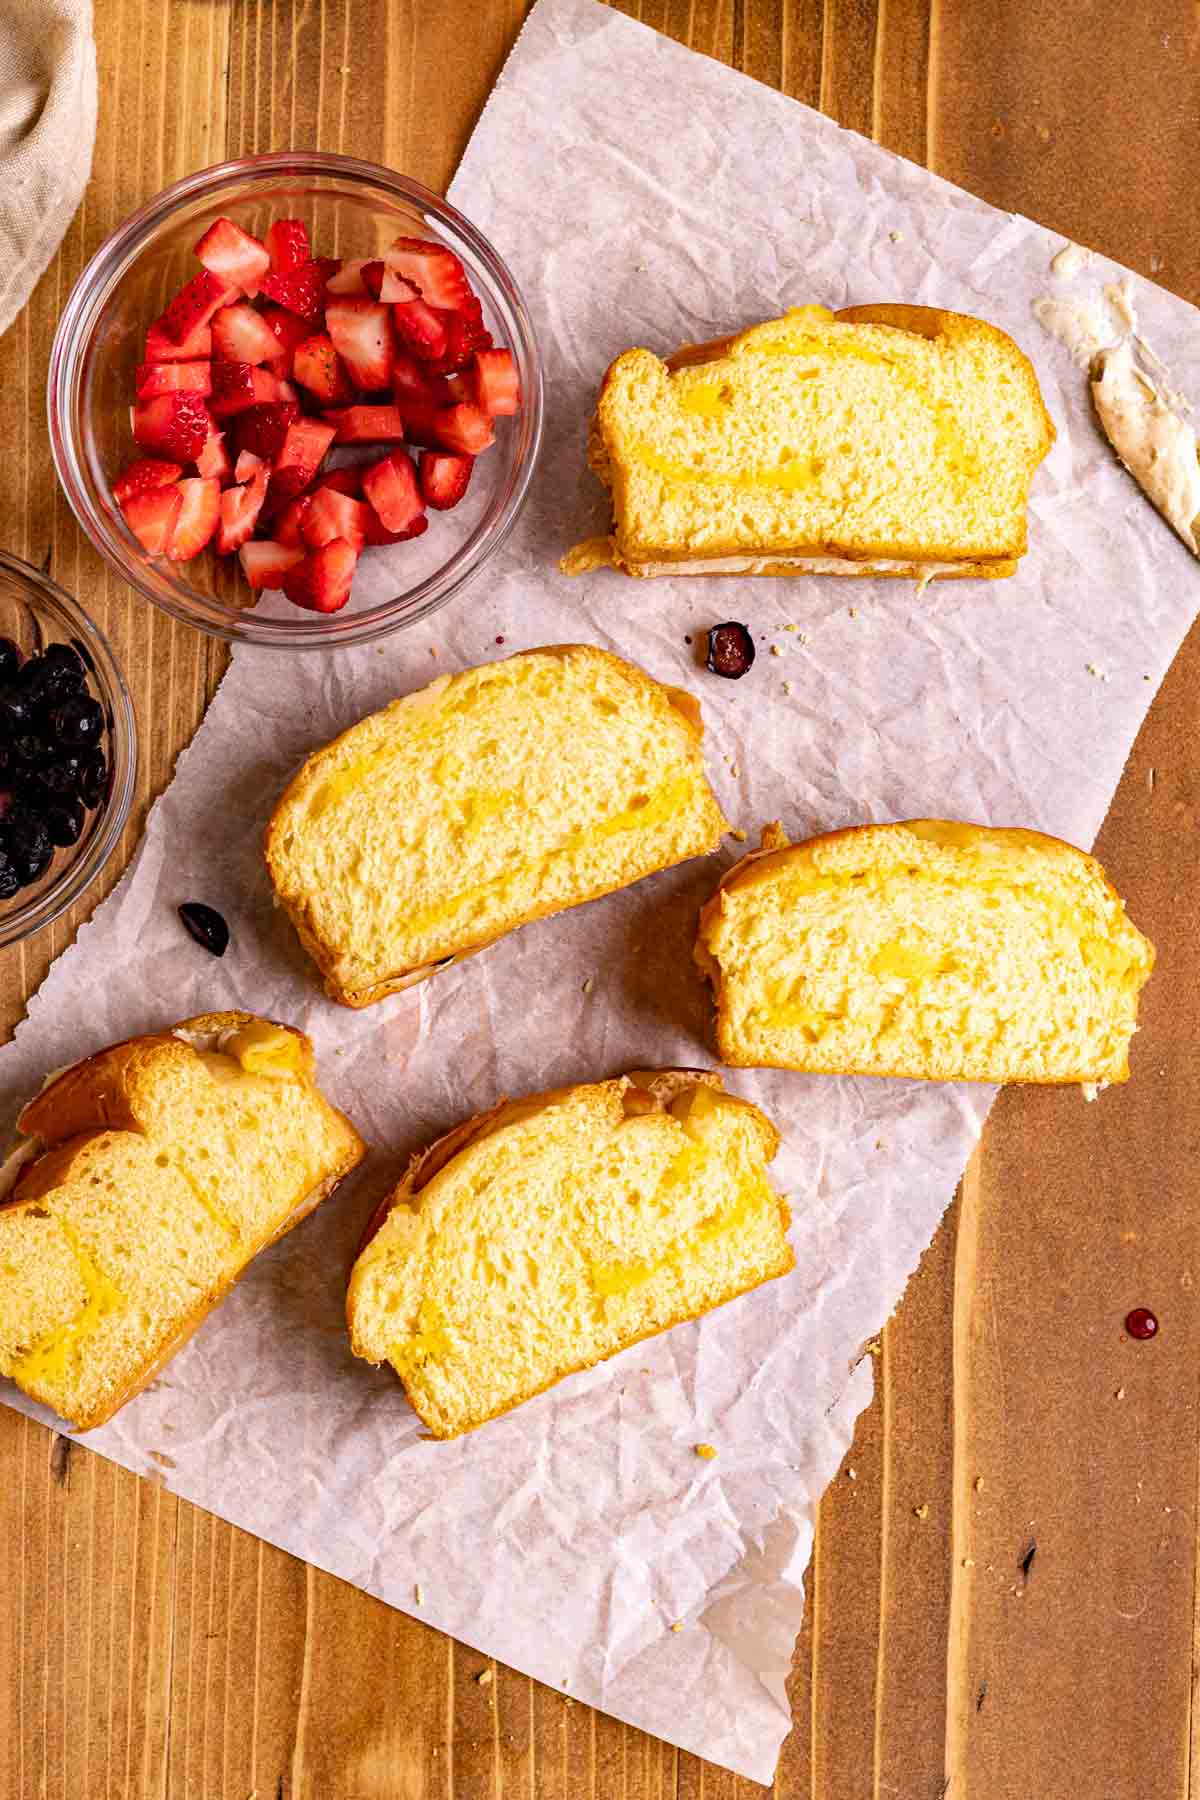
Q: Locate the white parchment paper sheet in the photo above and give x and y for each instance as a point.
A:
(642, 194)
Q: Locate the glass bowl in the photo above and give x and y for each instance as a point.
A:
(35, 612)
(351, 209)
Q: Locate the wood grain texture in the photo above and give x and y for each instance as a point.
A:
(149, 1650)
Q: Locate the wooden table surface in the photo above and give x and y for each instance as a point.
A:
(149, 1649)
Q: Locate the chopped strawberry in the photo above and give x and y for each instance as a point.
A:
(317, 367)
(465, 334)
(332, 515)
(237, 385)
(288, 526)
(435, 270)
(496, 382)
(193, 306)
(420, 329)
(463, 428)
(394, 287)
(242, 335)
(265, 563)
(379, 534)
(368, 425)
(172, 377)
(233, 256)
(373, 274)
(362, 336)
(321, 582)
(197, 519)
(300, 290)
(151, 514)
(342, 481)
(418, 393)
(287, 245)
(444, 478)
(288, 331)
(248, 465)
(172, 425)
(460, 386)
(287, 391)
(148, 472)
(303, 451)
(240, 507)
(213, 460)
(391, 487)
(349, 279)
(262, 429)
(161, 346)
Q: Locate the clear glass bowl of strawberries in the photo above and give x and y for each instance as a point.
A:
(296, 401)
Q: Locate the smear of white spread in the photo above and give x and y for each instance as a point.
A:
(1155, 443)
(1070, 261)
(1081, 325)
(1119, 295)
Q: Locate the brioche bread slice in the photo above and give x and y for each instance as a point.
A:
(549, 1233)
(490, 798)
(149, 1176)
(944, 951)
(881, 440)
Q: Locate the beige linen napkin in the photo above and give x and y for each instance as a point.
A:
(47, 132)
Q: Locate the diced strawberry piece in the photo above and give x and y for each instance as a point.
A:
(362, 336)
(233, 256)
(379, 534)
(444, 478)
(288, 526)
(303, 450)
(463, 428)
(465, 334)
(395, 288)
(197, 518)
(343, 481)
(173, 377)
(213, 461)
(161, 347)
(391, 487)
(420, 329)
(193, 306)
(288, 331)
(331, 515)
(242, 335)
(321, 582)
(148, 472)
(416, 389)
(373, 275)
(349, 278)
(287, 245)
(151, 514)
(172, 425)
(240, 507)
(459, 387)
(237, 385)
(317, 367)
(300, 290)
(287, 391)
(496, 383)
(435, 270)
(265, 562)
(263, 429)
(248, 466)
(369, 425)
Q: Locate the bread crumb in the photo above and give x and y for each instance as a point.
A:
(787, 687)
(1156, 263)
(1151, 776)
(875, 1347)
(922, 1511)
(851, 1474)
(432, 650)
(1096, 673)
(776, 650)
(418, 1594)
(734, 770)
(897, 237)
(979, 1484)
(1120, 1394)
(789, 628)
(589, 984)
(853, 611)
(739, 834)
(485, 1678)
(678, 1625)
(968, 1562)
(707, 1451)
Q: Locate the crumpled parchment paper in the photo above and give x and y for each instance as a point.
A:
(642, 194)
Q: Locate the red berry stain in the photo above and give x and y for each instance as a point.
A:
(1141, 1324)
(499, 640)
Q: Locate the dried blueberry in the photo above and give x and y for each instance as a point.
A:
(8, 878)
(10, 660)
(27, 747)
(205, 924)
(78, 721)
(50, 677)
(730, 649)
(60, 774)
(93, 779)
(63, 819)
(27, 845)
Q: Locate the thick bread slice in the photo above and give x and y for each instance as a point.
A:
(148, 1178)
(486, 800)
(549, 1233)
(931, 949)
(894, 440)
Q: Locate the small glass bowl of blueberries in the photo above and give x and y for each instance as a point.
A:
(68, 750)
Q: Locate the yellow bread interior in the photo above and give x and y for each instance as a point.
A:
(147, 1178)
(892, 432)
(490, 798)
(554, 1231)
(931, 949)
